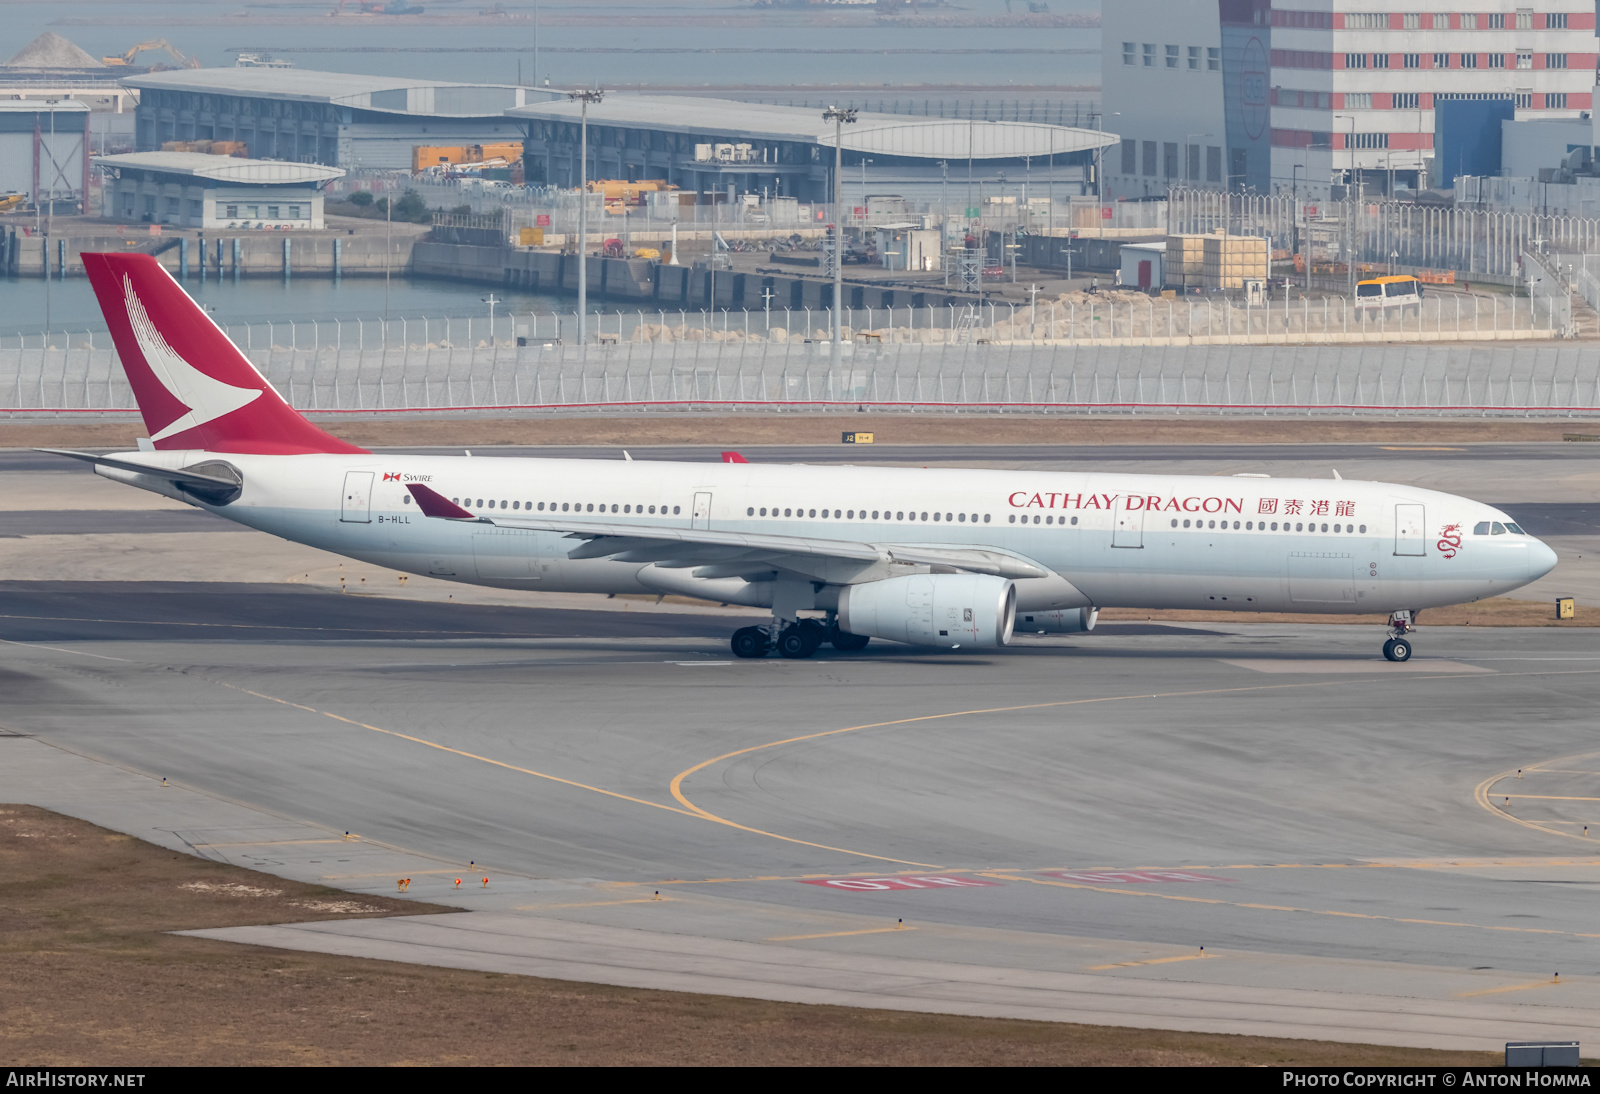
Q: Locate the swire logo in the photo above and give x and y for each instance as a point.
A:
(391, 476)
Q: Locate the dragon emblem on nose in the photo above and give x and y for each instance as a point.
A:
(1449, 540)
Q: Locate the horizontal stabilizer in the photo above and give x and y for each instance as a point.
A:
(177, 477)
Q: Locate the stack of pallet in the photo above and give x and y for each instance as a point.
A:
(1185, 261)
(1229, 260)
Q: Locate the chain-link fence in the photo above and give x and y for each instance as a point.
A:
(1554, 379)
(1106, 318)
(1381, 234)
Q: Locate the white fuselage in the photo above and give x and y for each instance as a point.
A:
(1150, 541)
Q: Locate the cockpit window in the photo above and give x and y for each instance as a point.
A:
(1481, 528)
(1497, 529)
(1515, 528)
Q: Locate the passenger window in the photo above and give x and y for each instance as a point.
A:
(899, 516)
(675, 509)
(1235, 526)
(1036, 519)
(1074, 520)
(786, 512)
(1186, 524)
(1497, 529)
(652, 509)
(1013, 518)
(1335, 527)
(627, 508)
(924, 516)
(563, 507)
(936, 516)
(962, 518)
(874, 514)
(1047, 520)
(813, 512)
(949, 517)
(1363, 528)
(1324, 527)
(541, 507)
(516, 505)
(1299, 528)
(1174, 522)
(591, 507)
(986, 519)
(750, 512)
(405, 499)
(763, 510)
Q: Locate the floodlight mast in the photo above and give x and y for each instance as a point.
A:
(585, 97)
(838, 117)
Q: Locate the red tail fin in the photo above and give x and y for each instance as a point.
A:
(733, 457)
(194, 388)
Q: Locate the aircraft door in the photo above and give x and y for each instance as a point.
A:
(702, 511)
(1128, 527)
(357, 506)
(1410, 529)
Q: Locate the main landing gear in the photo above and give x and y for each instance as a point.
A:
(794, 640)
(1398, 648)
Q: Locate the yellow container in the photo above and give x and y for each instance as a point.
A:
(1566, 607)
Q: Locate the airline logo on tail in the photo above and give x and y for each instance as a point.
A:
(207, 399)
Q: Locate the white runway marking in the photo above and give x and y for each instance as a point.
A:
(1323, 667)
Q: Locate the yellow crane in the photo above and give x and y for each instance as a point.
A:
(159, 43)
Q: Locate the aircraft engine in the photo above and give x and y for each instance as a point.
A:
(1064, 621)
(932, 609)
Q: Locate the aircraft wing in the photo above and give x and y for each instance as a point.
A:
(729, 551)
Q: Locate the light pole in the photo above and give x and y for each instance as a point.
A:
(584, 97)
(1099, 151)
(838, 117)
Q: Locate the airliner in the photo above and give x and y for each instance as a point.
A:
(954, 558)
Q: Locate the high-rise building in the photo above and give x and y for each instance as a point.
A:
(1281, 95)
(1354, 83)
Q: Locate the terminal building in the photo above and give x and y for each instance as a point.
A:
(331, 118)
(195, 190)
(715, 146)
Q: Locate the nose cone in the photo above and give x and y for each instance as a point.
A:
(1541, 559)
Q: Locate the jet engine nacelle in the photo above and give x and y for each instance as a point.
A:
(932, 609)
(1066, 621)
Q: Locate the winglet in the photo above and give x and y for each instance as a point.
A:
(434, 504)
(733, 457)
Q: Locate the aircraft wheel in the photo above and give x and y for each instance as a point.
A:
(1397, 649)
(847, 642)
(797, 642)
(751, 642)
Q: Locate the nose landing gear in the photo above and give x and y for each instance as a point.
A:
(1398, 647)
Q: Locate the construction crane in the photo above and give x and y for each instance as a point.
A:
(159, 43)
